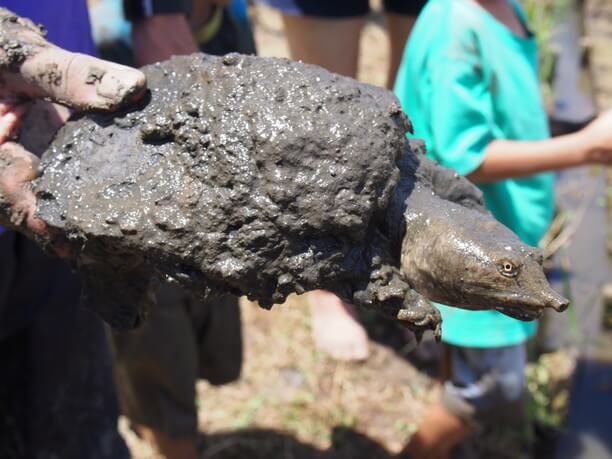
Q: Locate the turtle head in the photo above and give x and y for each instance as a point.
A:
(465, 258)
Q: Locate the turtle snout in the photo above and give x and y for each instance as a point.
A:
(556, 301)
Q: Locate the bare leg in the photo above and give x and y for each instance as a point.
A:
(330, 43)
(169, 447)
(398, 27)
(335, 329)
(334, 45)
(437, 435)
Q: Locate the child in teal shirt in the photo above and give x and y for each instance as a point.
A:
(469, 83)
(464, 86)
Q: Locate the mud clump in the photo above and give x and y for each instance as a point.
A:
(246, 175)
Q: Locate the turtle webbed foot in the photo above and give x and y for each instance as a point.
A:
(388, 293)
(419, 315)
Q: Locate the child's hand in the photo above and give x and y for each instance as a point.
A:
(598, 139)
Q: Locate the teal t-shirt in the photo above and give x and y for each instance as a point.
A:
(466, 80)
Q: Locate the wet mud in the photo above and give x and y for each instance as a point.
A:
(264, 177)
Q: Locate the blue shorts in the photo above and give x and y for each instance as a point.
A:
(342, 8)
(55, 362)
(487, 384)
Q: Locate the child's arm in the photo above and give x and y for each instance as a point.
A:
(461, 120)
(509, 158)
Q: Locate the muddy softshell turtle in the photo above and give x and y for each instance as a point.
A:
(263, 177)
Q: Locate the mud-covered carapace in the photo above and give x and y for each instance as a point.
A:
(264, 177)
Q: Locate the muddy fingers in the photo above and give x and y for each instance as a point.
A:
(33, 68)
(80, 81)
(18, 168)
(10, 117)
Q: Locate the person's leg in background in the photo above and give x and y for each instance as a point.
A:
(398, 28)
(335, 327)
(331, 43)
(72, 398)
(156, 373)
(444, 426)
(158, 364)
(13, 353)
(327, 34)
(487, 385)
(400, 16)
(439, 433)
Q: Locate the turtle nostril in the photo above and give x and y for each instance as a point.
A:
(558, 303)
(563, 306)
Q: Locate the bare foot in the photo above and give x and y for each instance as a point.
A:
(335, 328)
(437, 435)
(170, 447)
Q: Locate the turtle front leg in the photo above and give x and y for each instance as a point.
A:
(419, 315)
(388, 293)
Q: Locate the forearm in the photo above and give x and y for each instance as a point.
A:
(509, 158)
(157, 38)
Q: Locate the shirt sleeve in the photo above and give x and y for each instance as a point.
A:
(461, 114)
(137, 9)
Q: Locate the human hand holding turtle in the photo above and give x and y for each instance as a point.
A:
(39, 85)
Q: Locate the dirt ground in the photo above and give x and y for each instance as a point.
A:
(293, 402)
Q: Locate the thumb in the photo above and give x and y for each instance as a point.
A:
(80, 81)
(18, 168)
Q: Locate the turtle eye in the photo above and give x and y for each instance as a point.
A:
(508, 269)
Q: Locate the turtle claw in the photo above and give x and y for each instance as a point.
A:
(420, 315)
(430, 321)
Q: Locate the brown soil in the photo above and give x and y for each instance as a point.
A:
(299, 400)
